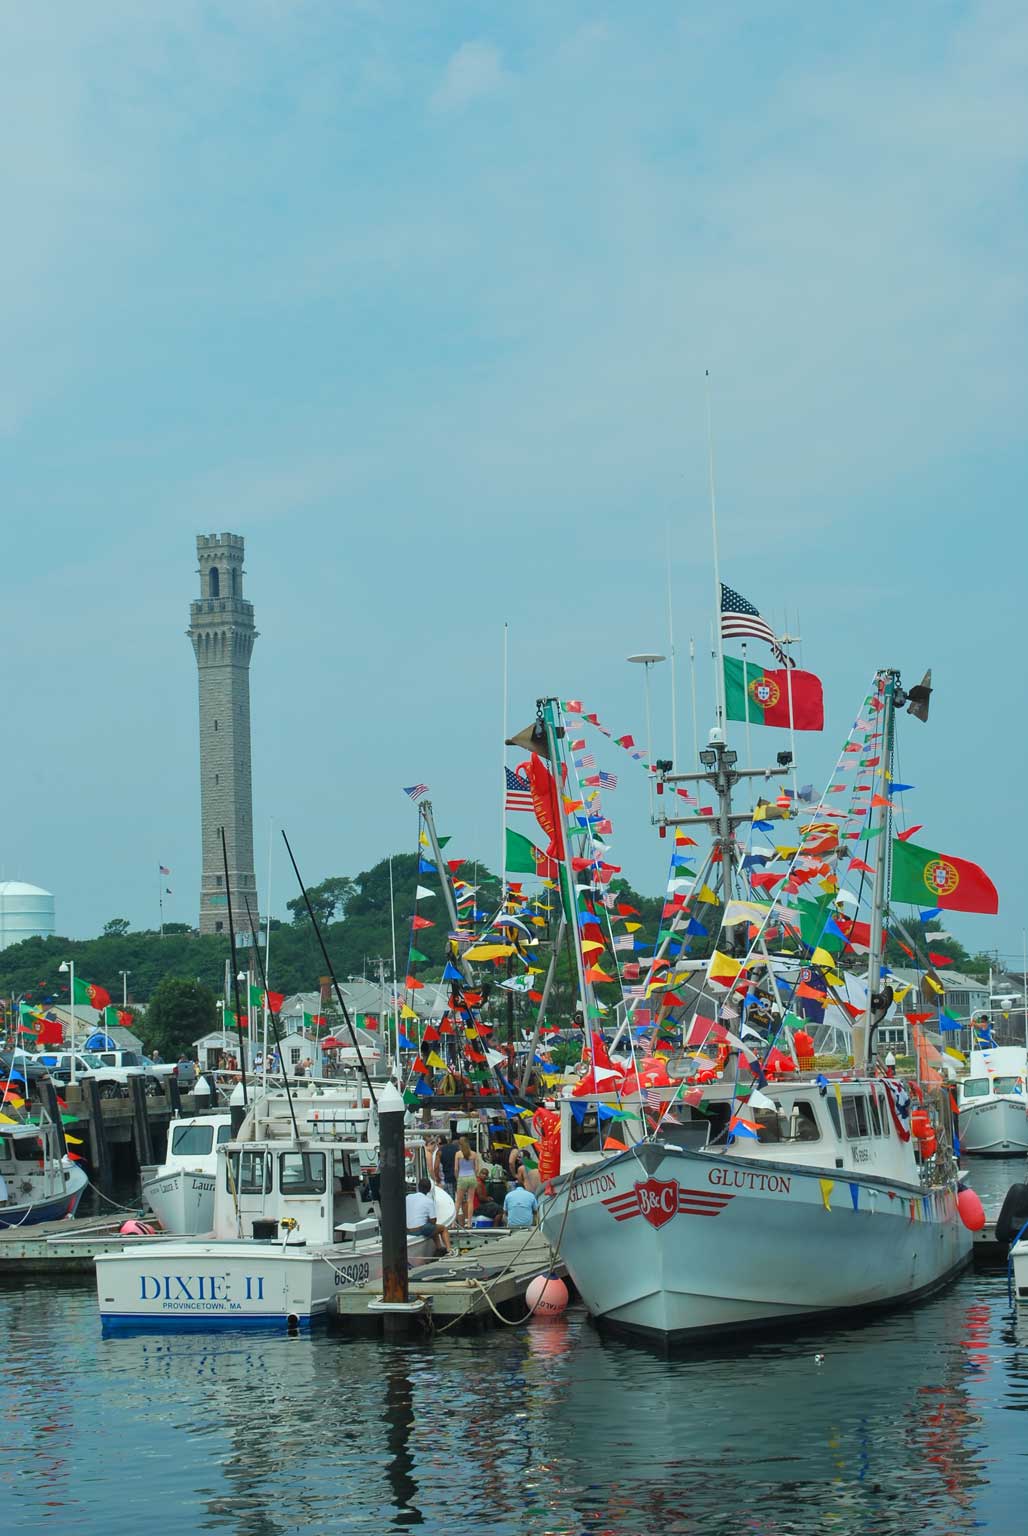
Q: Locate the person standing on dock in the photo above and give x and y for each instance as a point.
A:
(466, 1166)
(447, 1162)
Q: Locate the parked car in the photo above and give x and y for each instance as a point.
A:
(21, 1061)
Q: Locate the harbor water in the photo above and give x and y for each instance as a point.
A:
(912, 1421)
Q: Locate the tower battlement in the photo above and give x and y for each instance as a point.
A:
(222, 632)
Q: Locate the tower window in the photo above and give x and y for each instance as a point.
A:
(215, 725)
(214, 582)
(217, 879)
(235, 582)
(219, 927)
(217, 778)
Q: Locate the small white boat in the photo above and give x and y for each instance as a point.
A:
(37, 1183)
(181, 1191)
(290, 1230)
(992, 1103)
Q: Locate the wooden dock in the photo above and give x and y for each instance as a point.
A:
(65, 1247)
(489, 1274)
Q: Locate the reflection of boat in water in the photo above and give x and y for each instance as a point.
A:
(993, 1104)
(291, 1229)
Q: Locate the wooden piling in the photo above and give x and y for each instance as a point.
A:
(140, 1121)
(99, 1151)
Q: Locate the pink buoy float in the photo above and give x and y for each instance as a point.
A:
(547, 1296)
(136, 1229)
(972, 1212)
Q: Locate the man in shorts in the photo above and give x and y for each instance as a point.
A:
(421, 1220)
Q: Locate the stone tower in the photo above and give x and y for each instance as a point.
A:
(222, 632)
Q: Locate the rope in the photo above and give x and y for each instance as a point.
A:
(131, 1210)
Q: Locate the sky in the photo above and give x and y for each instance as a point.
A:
(420, 300)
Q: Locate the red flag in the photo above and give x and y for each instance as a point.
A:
(938, 959)
(421, 922)
(909, 832)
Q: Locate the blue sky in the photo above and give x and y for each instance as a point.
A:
(419, 300)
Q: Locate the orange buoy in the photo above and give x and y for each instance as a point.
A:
(547, 1296)
(972, 1212)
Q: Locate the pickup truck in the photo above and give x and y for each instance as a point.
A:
(113, 1079)
(157, 1071)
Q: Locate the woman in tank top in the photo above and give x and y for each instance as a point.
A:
(466, 1166)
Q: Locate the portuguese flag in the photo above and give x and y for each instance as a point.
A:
(761, 695)
(92, 996)
(922, 877)
(524, 858)
(117, 1018)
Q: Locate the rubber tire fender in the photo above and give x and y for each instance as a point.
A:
(1013, 1213)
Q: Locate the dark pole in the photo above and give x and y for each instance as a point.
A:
(274, 1023)
(392, 1195)
(235, 968)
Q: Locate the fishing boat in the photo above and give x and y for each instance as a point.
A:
(180, 1192)
(992, 1102)
(291, 1229)
(38, 1181)
(751, 1190)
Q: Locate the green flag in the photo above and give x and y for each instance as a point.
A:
(523, 857)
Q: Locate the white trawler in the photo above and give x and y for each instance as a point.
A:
(992, 1102)
(290, 1229)
(810, 1194)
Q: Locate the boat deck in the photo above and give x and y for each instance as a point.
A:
(492, 1269)
(62, 1247)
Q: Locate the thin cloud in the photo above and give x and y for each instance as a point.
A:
(474, 71)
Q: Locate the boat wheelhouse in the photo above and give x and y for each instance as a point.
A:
(992, 1102)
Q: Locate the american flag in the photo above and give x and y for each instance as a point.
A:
(163, 870)
(739, 618)
(585, 761)
(608, 780)
(519, 792)
(415, 791)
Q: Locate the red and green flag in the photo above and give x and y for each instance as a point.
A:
(762, 695)
(91, 995)
(313, 1020)
(117, 1018)
(524, 858)
(923, 877)
(275, 999)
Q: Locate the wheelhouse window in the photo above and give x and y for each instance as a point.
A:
(251, 1172)
(27, 1149)
(854, 1113)
(192, 1140)
(585, 1133)
(833, 1110)
(301, 1173)
(876, 1121)
(224, 1134)
(975, 1088)
(1008, 1085)
(803, 1122)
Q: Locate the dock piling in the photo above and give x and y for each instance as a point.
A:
(140, 1122)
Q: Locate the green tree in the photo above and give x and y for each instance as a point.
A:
(179, 1013)
(326, 899)
(116, 928)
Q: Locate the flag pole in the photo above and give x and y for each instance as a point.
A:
(746, 695)
(786, 643)
(503, 769)
(719, 680)
(671, 653)
(160, 898)
(692, 680)
(392, 935)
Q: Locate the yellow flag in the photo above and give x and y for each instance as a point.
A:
(838, 1094)
(827, 1185)
(722, 967)
(524, 1141)
(706, 894)
(632, 927)
(951, 1050)
(407, 1012)
(900, 993)
(822, 957)
(423, 839)
(432, 1060)
(76, 1141)
(930, 981)
(833, 978)
(488, 951)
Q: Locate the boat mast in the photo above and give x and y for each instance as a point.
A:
(888, 681)
(568, 890)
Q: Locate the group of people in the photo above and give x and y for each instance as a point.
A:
(487, 1191)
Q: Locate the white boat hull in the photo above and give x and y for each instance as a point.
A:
(994, 1127)
(1019, 1261)
(672, 1243)
(182, 1201)
(201, 1286)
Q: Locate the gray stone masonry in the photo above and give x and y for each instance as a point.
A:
(222, 631)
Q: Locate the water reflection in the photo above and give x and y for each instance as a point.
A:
(912, 1421)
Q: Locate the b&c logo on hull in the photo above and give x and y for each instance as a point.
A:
(660, 1200)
